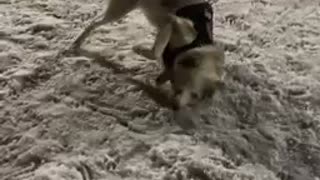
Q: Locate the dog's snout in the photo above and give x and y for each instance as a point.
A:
(182, 102)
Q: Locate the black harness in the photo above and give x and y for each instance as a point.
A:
(202, 17)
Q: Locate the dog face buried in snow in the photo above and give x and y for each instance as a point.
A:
(183, 43)
(195, 72)
(197, 75)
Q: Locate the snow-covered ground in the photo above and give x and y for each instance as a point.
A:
(97, 117)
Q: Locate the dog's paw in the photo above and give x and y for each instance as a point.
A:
(144, 51)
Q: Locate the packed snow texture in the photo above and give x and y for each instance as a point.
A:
(99, 116)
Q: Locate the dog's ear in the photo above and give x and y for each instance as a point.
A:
(183, 30)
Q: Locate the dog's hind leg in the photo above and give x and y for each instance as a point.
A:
(116, 10)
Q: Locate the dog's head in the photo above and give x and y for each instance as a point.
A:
(196, 75)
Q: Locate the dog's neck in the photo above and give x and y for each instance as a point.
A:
(201, 14)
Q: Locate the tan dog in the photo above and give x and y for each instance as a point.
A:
(184, 43)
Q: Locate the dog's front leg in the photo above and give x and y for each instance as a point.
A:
(148, 52)
(161, 41)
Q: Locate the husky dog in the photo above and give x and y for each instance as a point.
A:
(184, 43)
